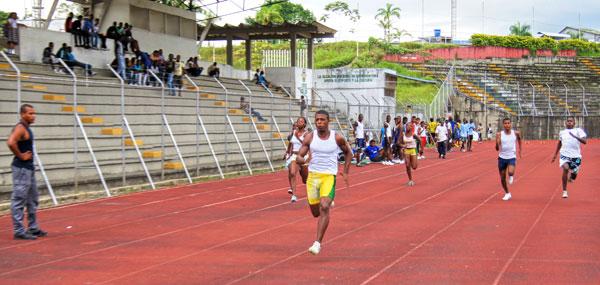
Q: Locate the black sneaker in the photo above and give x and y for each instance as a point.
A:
(37, 232)
(25, 236)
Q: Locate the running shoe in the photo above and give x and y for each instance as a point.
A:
(315, 248)
(401, 161)
(396, 161)
(290, 191)
(565, 194)
(511, 179)
(332, 204)
(506, 197)
(411, 183)
(294, 199)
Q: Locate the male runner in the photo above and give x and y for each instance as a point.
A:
(569, 141)
(359, 134)
(25, 193)
(507, 157)
(324, 145)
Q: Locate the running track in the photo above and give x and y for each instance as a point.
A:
(452, 227)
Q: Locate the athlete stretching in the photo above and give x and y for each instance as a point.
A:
(570, 152)
(290, 157)
(324, 145)
(506, 144)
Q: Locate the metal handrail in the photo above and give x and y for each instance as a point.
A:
(85, 137)
(18, 71)
(162, 126)
(585, 111)
(226, 115)
(201, 122)
(567, 111)
(125, 124)
(549, 105)
(256, 130)
(273, 120)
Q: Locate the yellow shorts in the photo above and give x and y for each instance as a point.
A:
(410, 151)
(319, 185)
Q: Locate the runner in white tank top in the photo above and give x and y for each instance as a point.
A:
(569, 141)
(324, 145)
(506, 145)
(294, 145)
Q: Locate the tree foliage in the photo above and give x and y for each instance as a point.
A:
(385, 17)
(520, 30)
(341, 7)
(284, 12)
(3, 17)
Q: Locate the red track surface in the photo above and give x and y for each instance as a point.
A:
(452, 227)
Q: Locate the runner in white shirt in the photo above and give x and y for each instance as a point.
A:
(359, 135)
(441, 135)
(324, 145)
(569, 141)
(294, 145)
(506, 145)
(423, 135)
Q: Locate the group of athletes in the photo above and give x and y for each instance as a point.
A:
(314, 155)
(311, 154)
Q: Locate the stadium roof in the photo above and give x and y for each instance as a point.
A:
(312, 30)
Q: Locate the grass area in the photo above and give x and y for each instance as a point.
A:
(343, 54)
(408, 91)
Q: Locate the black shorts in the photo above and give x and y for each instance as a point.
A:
(504, 163)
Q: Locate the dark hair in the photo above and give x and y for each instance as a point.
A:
(571, 117)
(372, 141)
(24, 108)
(506, 119)
(322, 112)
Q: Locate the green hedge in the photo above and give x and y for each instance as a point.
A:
(534, 44)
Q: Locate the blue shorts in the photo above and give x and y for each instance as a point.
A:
(504, 163)
(360, 143)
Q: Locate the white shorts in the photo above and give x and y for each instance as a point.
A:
(291, 159)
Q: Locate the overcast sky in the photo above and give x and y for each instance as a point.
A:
(550, 15)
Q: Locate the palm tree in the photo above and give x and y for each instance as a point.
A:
(385, 15)
(520, 30)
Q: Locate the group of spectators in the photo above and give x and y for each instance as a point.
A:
(444, 133)
(86, 32)
(66, 54)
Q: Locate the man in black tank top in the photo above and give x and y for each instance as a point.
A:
(25, 192)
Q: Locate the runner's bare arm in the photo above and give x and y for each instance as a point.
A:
(345, 147)
(13, 139)
(497, 141)
(304, 149)
(288, 151)
(581, 140)
(518, 134)
(558, 146)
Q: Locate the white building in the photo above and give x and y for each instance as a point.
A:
(588, 34)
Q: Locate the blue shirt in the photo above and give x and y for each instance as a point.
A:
(470, 129)
(372, 151)
(464, 129)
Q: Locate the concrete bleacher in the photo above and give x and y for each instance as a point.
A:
(524, 87)
(99, 106)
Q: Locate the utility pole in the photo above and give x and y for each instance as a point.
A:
(422, 18)
(532, 19)
(453, 20)
(483, 16)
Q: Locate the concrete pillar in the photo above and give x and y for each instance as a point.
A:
(230, 50)
(293, 49)
(309, 53)
(248, 54)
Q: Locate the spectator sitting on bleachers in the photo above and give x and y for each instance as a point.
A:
(126, 36)
(76, 31)
(49, 57)
(262, 80)
(213, 70)
(71, 61)
(245, 106)
(192, 68)
(144, 58)
(256, 76)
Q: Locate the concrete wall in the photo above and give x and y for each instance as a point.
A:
(170, 44)
(541, 128)
(226, 70)
(33, 42)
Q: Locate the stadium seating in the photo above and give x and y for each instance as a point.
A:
(99, 106)
(541, 88)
